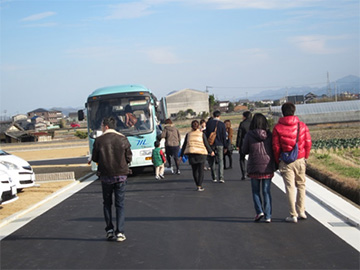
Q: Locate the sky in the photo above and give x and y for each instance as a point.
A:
(54, 53)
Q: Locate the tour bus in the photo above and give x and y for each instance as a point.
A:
(135, 109)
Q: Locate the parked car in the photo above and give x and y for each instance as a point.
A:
(74, 125)
(8, 192)
(20, 171)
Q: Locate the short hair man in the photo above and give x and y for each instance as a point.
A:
(242, 130)
(113, 154)
(218, 147)
(285, 134)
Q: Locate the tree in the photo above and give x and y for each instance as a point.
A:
(212, 102)
(231, 107)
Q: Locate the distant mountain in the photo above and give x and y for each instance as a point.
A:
(349, 84)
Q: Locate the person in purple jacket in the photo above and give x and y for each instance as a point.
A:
(261, 164)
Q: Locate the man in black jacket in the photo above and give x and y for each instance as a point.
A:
(112, 153)
(242, 130)
(218, 147)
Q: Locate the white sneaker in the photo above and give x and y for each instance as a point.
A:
(157, 177)
(120, 237)
(215, 181)
(302, 215)
(222, 181)
(291, 219)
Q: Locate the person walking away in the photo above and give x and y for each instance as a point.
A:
(229, 137)
(172, 144)
(197, 148)
(261, 164)
(242, 130)
(158, 159)
(112, 153)
(219, 146)
(203, 129)
(287, 132)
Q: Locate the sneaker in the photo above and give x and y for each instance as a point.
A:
(268, 220)
(222, 181)
(120, 237)
(215, 180)
(200, 189)
(302, 215)
(162, 176)
(291, 219)
(178, 172)
(258, 217)
(157, 177)
(243, 178)
(172, 170)
(110, 234)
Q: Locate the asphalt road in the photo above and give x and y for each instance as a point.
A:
(171, 226)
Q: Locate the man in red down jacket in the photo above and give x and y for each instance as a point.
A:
(284, 140)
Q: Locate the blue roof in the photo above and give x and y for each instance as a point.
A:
(119, 89)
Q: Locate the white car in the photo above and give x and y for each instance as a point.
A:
(19, 170)
(8, 192)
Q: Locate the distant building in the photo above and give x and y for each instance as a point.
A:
(53, 117)
(186, 99)
(223, 106)
(309, 97)
(298, 99)
(11, 132)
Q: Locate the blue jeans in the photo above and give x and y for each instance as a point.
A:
(119, 191)
(219, 157)
(265, 186)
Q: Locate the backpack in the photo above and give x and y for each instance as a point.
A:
(212, 136)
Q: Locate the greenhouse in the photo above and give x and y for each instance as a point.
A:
(327, 112)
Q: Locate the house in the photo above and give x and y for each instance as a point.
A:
(185, 99)
(11, 132)
(223, 106)
(298, 99)
(309, 97)
(53, 117)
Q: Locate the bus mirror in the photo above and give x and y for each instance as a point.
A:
(81, 115)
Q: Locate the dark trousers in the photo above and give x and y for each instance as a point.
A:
(198, 173)
(228, 154)
(172, 151)
(119, 193)
(242, 165)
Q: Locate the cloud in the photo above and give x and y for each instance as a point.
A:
(129, 10)
(162, 56)
(37, 17)
(259, 4)
(316, 44)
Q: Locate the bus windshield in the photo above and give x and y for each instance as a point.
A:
(132, 114)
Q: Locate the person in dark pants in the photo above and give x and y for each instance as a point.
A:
(197, 148)
(229, 137)
(219, 147)
(242, 130)
(112, 153)
(172, 144)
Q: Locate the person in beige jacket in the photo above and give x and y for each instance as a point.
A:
(172, 144)
(197, 148)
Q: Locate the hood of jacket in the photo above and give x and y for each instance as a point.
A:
(259, 134)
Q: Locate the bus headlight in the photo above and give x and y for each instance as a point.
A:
(145, 152)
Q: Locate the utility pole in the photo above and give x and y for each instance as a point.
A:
(329, 88)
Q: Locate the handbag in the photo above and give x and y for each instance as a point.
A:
(289, 157)
(212, 136)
